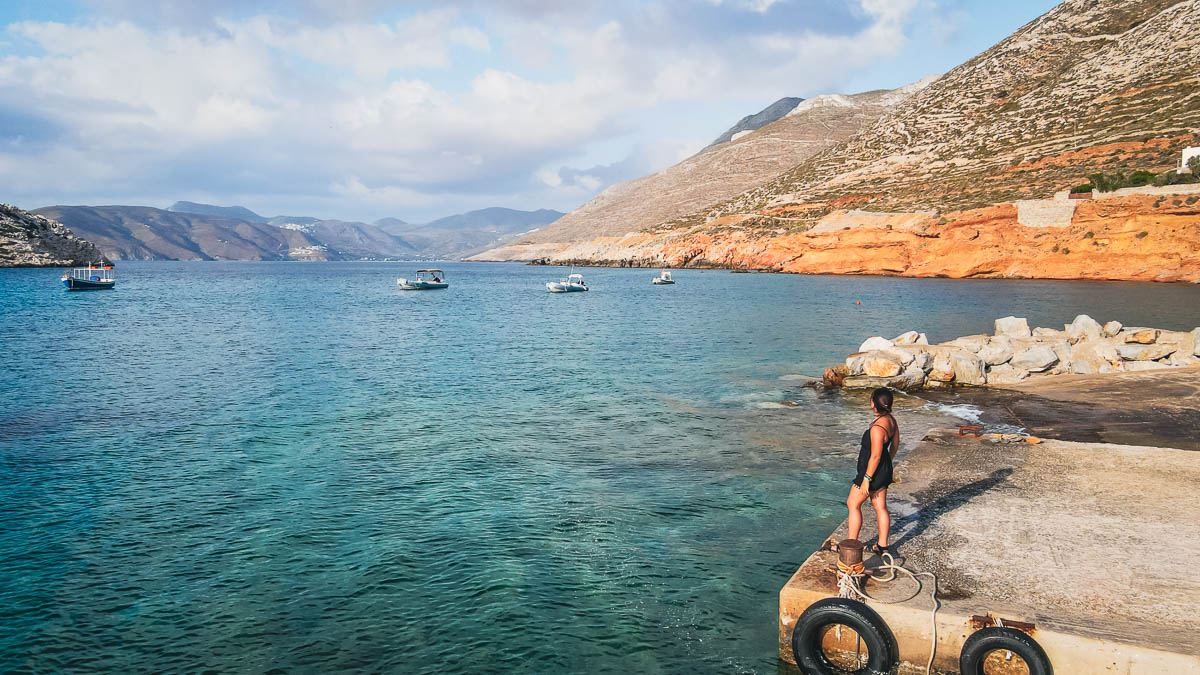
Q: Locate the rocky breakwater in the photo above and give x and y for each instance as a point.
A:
(1014, 353)
(29, 240)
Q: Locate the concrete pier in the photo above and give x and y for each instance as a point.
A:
(1092, 543)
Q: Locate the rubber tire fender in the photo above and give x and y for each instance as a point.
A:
(986, 640)
(874, 631)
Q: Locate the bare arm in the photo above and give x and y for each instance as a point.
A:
(896, 444)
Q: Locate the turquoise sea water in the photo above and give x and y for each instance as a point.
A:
(286, 467)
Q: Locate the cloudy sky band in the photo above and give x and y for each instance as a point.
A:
(366, 109)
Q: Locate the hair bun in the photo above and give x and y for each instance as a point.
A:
(882, 398)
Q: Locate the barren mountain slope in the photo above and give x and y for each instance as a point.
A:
(1090, 86)
(967, 178)
(145, 233)
(758, 120)
(717, 173)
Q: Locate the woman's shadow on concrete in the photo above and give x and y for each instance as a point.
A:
(925, 516)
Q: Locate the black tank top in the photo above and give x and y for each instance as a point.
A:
(883, 472)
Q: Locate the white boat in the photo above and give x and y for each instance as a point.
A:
(573, 283)
(663, 279)
(424, 280)
(96, 277)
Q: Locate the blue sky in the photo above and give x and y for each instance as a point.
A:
(362, 109)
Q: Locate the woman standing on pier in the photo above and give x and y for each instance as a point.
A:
(879, 445)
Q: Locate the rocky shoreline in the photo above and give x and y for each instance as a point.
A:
(1014, 353)
(1149, 234)
(30, 240)
(647, 263)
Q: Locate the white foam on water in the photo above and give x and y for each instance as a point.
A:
(973, 415)
(963, 411)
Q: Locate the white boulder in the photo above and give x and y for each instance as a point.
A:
(942, 369)
(877, 364)
(1112, 328)
(1150, 352)
(1084, 327)
(1013, 327)
(909, 338)
(1090, 356)
(1181, 360)
(874, 343)
(998, 350)
(901, 356)
(923, 361)
(911, 378)
(968, 368)
(1035, 359)
(1006, 374)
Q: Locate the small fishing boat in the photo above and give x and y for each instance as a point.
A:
(572, 284)
(663, 279)
(92, 278)
(424, 280)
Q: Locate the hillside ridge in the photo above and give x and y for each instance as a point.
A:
(967, 177)
(30, 240)
(708, 177)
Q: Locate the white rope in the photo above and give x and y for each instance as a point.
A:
(849, 586)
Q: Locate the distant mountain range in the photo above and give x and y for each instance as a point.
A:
(466, 234)
(146, 233)
(235, 212)
(192, 231)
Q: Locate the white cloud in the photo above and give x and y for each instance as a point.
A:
(355, 110)
(366, 49)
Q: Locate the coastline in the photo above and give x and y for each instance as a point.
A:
(1135, 234)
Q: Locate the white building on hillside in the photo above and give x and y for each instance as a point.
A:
(1188, 153)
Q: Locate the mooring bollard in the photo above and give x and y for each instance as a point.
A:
(850, 552)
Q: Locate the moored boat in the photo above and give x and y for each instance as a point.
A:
(663, 278)
(92, 278)
(424, 280)
(572, 284)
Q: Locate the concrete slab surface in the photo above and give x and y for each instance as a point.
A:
(1094, 543)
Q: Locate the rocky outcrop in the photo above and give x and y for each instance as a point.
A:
(1016, 353)
(1133, 238)
(30, 240)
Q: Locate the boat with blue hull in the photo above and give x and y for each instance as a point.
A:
(94, 278)
(424, 280)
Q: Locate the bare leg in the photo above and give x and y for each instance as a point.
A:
(879, 503)
(854, 504)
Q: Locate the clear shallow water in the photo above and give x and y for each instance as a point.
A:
(295, 467)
